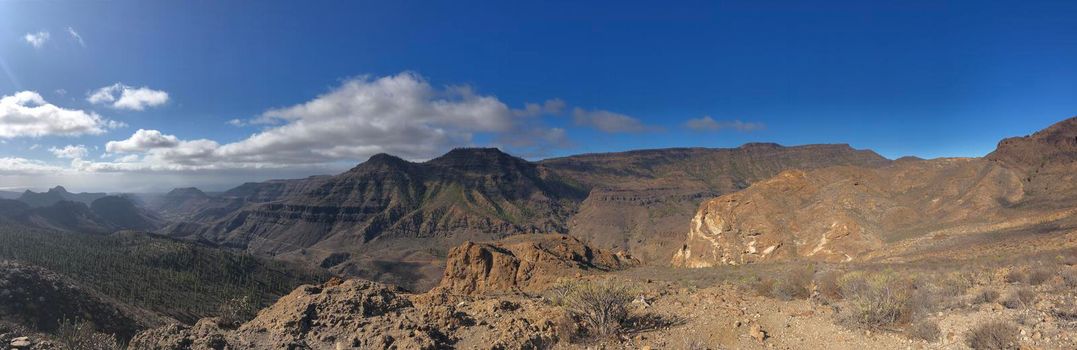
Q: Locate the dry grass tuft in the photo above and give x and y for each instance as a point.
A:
(993, 335)
(602, 306)
(986, 295)
(1015, 276)
(1040, 275)
(1020, 298)
(925, 330)
(876, 300)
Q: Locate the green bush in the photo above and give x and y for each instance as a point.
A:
(234, 312)
(81, 335)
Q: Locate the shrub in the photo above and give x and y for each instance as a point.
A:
(1015, 276)
(925, 330)
(795, 284)
(827, 286)
(993, 335)
(1065, 311)
(81, 335)
(1039, 275)
(1069, 278)
(953, 285)
(603, 307)
(234, 312)
(792, 284)
(1020, 298)
(876, 300)
(987, 295)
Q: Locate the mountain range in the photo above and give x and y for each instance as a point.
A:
(393, 220)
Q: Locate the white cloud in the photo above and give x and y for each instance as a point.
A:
(142, 141)
(551, 106)
(607, 121)
(26, 113)
(22, 166)
(70, 152)
(75, 35)
(401, 114)
(37, 40)
(237, 122)
(706, 123)
(129, 97)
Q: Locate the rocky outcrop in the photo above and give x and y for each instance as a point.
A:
(1046, 162)
(368, 315)
(523, 263)
(841, 213)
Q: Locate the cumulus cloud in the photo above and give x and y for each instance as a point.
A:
(142, 141)
(401, 114)
(706, 123)
(607, 121)
(75, 35)
(70, 152)
(23, 166)
(37, 40)
(122, 96)
(26, 113)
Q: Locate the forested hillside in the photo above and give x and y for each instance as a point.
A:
(182, 280)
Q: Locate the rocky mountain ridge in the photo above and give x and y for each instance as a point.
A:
(911, 206)
(388, 210)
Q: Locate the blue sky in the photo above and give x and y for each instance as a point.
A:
(315, 87)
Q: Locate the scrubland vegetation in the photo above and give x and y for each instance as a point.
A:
(181, 280)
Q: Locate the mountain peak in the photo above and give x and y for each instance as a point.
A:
(58, 189)
(186, 192)
(478, 159)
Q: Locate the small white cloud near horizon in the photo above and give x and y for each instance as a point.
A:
(75, 35)
(27, 114)
(37, 40)
(237, 122)
(609, 122)
(129, 97)
(706, 123)
(70, 152)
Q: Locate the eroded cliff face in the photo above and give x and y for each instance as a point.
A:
(640, 200)
(523, 263)
(839, 214)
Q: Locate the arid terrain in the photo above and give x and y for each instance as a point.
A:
(757, 247)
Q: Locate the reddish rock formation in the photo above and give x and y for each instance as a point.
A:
(523, 263)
